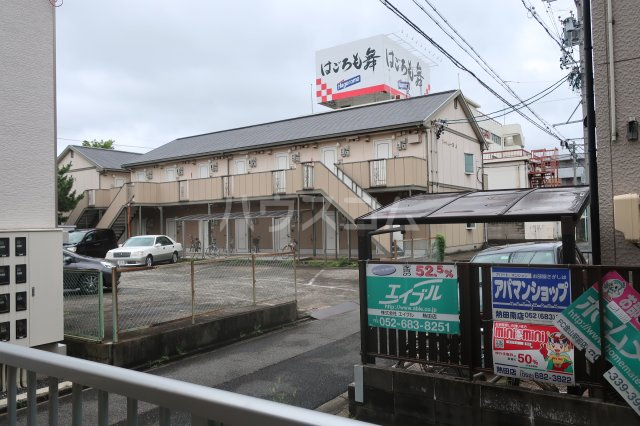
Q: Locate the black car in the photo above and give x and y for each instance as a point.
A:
(91, 242)
(78, 275)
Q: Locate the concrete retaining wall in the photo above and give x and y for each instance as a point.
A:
(153, 345)
(401, 397)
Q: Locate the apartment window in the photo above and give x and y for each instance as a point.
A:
(471, 225)
(468, 163)
(170, 173)
(496, 139)
(141, 176)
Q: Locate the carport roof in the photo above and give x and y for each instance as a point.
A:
(510, 205)
(237, 215)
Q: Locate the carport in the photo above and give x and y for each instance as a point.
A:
(563, 204)
(230, 217)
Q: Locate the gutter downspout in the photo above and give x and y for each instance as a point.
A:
(612, 83)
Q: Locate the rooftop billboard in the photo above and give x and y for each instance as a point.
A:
(367, 70)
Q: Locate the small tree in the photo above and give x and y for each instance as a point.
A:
(108, 144)
(439, 246)
(67, 199)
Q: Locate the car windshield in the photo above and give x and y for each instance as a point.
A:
(492, 258)
(139, 242)
(536, 257)
(76, 236)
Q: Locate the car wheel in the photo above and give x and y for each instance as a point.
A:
(149, 261)
(89, 284)
(174, 257)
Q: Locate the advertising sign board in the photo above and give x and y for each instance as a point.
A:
(530, 295)
(580, 322)
(372, 65)
(413, 297)
(532, 352)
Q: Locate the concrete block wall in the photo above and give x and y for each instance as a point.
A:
(400, 397)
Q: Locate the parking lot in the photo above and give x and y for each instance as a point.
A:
(146, 298)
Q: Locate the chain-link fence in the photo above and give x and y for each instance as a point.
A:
(83, 304)
(149, 297)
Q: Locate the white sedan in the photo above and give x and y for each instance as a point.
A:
(145, 250)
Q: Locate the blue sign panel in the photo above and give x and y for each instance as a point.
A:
(343, 84)
(530, 295)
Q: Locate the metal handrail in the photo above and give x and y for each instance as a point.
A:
(169, 394)
(357, 189)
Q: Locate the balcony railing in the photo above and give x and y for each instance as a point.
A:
(204, 404)
(388, 172)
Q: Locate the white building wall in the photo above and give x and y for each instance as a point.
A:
(27, 105)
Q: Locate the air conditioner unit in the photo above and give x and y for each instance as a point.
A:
(213, 167)
(180, 171)
(149, 174)
(344, 152)
(253, 162)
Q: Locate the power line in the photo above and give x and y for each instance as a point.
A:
(513, 108)
(480, 61)
(457, 63)
(115, 144)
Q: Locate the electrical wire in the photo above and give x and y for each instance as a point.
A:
(558, 40)
(458, 64)
(549, 10)
(480, 61)
(513, 108)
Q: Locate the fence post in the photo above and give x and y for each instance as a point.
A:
(114, 305)
(193, 293)
(295, 277)
(253, 273)
(101, 306)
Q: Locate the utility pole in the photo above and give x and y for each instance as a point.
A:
(591, 133)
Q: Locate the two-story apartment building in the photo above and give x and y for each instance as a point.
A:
(97, 174)
(306, 178)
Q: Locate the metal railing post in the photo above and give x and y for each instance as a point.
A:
(32, 403)
(53, 401)
(253, 274)
(76, 405)
(12, 393)
(193, 293)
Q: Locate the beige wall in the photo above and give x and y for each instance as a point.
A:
(27, 115)
(446, 155)
(85, 175)
(618, 161)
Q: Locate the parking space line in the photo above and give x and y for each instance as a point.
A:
(311, 281)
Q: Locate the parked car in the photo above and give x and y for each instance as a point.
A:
(145, 250)
(91, 242)
(85, 283)
(534, 253)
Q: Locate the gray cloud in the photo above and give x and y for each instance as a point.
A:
(146, 72)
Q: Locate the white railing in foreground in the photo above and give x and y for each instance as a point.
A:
(205, 404)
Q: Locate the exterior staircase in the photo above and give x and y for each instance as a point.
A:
(345, 195)
(115, 217)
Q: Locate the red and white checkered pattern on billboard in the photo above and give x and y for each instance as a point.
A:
(323, 93)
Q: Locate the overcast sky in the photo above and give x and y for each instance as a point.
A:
(145, 72)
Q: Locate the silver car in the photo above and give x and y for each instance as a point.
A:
(145, 250)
